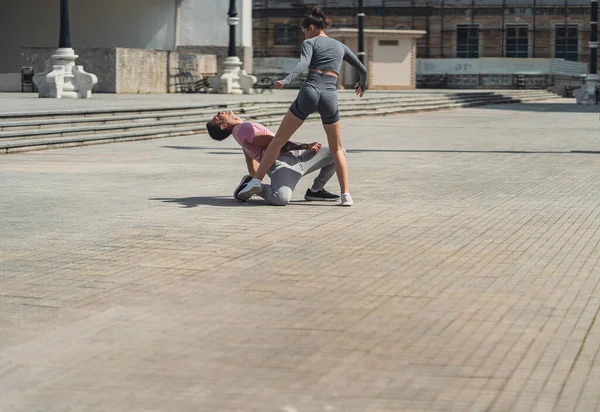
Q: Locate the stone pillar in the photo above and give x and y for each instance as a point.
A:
(232, 79)
(65, 79)
(587, 93)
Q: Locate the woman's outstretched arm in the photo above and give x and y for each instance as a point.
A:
(305, 58)
(362, 70)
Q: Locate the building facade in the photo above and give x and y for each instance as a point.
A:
(135, 37)
(455, 28)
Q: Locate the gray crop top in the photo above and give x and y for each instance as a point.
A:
(325, 53)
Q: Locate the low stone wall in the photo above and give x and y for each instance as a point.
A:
(496, 81)
(122, 70)
(497, 73)
(244, 53)
(10, 82)
(142, 71)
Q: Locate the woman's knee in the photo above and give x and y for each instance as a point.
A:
(338, 151)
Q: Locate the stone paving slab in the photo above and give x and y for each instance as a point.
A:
(466, 278)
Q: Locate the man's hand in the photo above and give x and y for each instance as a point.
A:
(359, 92)
(279, 85)
(314, 147)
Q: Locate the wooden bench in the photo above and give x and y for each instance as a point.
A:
(432, 81)
(265, 82)
(190, 81)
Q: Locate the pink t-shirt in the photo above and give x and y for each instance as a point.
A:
(244, 134)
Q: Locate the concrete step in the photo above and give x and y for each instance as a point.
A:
(25, 123)
(101, 115)
(100, 129)
(126, 124)
(16, 121)
(141, 126)
(413, 105)
(49, 143)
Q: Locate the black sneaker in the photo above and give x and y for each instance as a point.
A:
(322, 195)
(242, 184)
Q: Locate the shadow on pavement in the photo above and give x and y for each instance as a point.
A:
(544, 107)
(222, 201)
(472, 151)
(229, 150)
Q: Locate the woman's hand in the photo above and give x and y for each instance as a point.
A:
(359, 92)
(279, 85)
(314, 147)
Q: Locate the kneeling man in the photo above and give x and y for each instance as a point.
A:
(294, 161)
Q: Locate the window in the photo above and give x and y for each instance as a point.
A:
(517, 41)
(467, 41)
(566, 42)
(286, 34)
(388, 42)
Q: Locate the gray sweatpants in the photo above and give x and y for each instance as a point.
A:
(290, 168)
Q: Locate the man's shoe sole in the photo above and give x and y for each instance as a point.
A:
(320, 199)
(245, 196)
(240, 186)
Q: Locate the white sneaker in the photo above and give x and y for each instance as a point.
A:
(252, 188)
(242, 184)
(347, 199)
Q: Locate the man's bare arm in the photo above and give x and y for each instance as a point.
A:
(263, 140)
(251, 164)
(294, 146)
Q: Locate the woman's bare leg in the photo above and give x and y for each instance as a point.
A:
(334, 139)
(288, 127)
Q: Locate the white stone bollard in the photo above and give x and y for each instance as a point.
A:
(586, 94)
(65, 79)
(234, 80)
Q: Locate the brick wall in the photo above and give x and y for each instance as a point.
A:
(442, 43)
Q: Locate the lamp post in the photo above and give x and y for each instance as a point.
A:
(232, 79)
(233, 20)
(594, 41)
(361, 36)
(361, 32)
(64, 41)
(587, 93)
(65, 79)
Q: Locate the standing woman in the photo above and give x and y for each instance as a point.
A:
(323, 56)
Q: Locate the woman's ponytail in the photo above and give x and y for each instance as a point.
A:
(318, 19)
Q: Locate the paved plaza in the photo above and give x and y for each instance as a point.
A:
(466, 278)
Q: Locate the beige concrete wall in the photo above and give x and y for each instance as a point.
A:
(141, 71)
(244, 53)
(134, 76)
(122, 70)
(392, 65)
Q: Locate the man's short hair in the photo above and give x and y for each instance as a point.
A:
(215, 131)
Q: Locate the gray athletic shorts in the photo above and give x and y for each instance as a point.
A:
(317, 94)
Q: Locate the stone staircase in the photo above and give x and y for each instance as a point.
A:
(46, 130)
